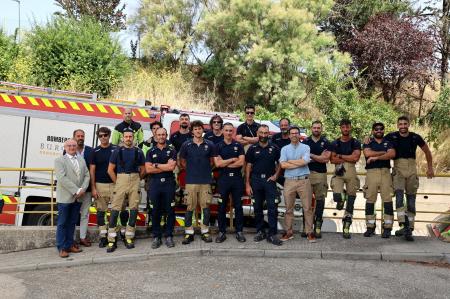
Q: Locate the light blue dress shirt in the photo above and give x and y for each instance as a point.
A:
(295, 152)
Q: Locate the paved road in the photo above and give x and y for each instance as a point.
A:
(232, 277)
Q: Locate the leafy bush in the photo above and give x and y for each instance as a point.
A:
(8, 52)
(79, 55)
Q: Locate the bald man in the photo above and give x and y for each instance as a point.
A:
(72, 177)
(128, 123)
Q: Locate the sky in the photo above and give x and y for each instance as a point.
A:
(39, 11)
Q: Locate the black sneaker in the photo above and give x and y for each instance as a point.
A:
(129, 243)
(169, 242)
(240, 237)
(206, 238)
(318, 230)
(386, 233)
(274, 240)
(303, 235)
(369, 232)
(188, 239)
(221, 237)
(259, 237)
(103, 242)
(111, 247)
(156, 243)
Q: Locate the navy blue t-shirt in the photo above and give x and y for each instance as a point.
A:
(100, 158)
(156, 155)
(212, 137)
(247, 130)
(177, 139)
(384, 146)
(129, 161)
(317, 148)
(345, 148)
(198, 161)
(280, 141)
(405, 147)
(228, 151)
(263, 159)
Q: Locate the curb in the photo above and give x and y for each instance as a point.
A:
(270, 253)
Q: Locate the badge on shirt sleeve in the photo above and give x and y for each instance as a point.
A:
(270, 150)
(168, 153)
(206, 147)
(322, 143)
(154, 156)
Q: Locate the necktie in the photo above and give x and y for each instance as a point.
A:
(76, 166)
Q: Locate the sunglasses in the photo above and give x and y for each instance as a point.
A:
(250, 112)
(378, 129)
(102, 135)
(216, 122)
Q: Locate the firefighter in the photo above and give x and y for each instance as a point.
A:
(320, 155)
(246, 133)
(230, 159)
(129, 124)
(215, 135)
(102, 185)
(346, 151)
(378, 153)
(160, 162)
(129, 161)
(145, 146)
(183, 134)
(405, 179)
(281, 139)
(196, 156)
(261, 173)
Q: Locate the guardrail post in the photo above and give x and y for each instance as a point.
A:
(51, 199)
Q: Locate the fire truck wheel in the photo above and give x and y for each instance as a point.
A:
(41, 219)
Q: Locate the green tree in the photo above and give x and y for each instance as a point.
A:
(270, 52)
(438, 118)
(109, 12)
(169, 30)
(77, 55)
(8, 52)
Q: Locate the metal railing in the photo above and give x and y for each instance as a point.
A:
(52, 211)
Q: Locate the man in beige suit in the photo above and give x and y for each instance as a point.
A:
(72, 177)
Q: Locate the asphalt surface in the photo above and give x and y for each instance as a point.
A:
(232, 277)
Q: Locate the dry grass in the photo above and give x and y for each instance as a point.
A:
(441, 155)
(173, 88)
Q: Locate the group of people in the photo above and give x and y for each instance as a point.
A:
(251, 163)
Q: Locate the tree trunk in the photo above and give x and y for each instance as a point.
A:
(445, 52)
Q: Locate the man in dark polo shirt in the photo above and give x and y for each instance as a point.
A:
(102, 185)
(246, 132)
(282, 138)
(183, 134)
(378, 152)
(128, 161)
(230, 159)
(261, 173)
(196, 156)
(215, 135)
(320, 155)
(404, 174)
(160, 162)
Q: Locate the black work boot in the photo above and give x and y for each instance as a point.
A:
(401, 231)
(103, 242)
(188, 238)
(386, 233)
(318, 229)
(408, 235)
(169, 242)
(206, 238)
(346, 229)
(240, 237)
(112, 246)
(129, 243)
(156, 243)
(369, 232)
